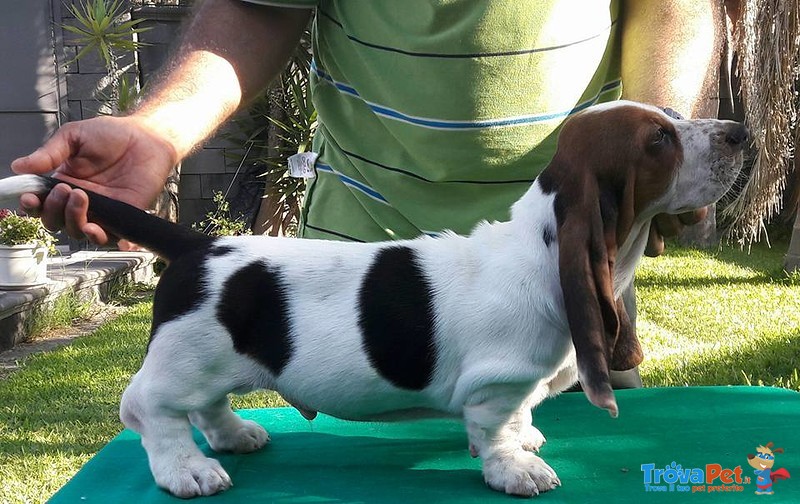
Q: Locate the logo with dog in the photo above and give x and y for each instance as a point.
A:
(716, 478)
(763, 462)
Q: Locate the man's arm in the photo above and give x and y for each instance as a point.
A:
(671, 52)
(230, 51)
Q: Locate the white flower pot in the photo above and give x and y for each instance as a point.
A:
(22, 266)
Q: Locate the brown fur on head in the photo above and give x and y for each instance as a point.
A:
(610, 165)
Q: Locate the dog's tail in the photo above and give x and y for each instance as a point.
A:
(167, 239)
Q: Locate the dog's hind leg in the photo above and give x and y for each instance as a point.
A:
(176, 462)
(226, 431)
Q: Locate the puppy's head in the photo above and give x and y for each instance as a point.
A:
(616, 166)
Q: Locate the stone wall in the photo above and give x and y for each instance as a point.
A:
(32, 94)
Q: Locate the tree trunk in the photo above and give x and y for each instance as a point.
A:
(166, 204)
(791, 262)
(269, 217)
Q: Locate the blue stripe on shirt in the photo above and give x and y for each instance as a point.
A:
(355, 184)
(443, 124)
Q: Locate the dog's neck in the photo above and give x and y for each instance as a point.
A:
(533, 217)
(629, 254)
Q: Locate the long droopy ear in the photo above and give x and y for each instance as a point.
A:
(586, 273)
(595, 207)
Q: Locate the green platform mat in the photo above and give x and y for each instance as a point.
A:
(599, 459)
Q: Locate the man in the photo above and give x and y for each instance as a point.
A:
(433, 114)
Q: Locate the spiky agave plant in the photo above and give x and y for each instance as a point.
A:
(104, 27)
(278, 124)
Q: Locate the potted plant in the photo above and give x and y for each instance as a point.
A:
(24, 246)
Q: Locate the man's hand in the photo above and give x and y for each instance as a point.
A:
(666, 226)
(229, 52)
(116, 156)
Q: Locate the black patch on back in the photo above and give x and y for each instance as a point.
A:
(220, 250)
(180, 289)
(396, 319)
(254, 309)
(548, 235)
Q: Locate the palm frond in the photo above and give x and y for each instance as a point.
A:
(768, 48)
(278, 124)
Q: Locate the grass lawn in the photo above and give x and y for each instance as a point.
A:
(704, 318)
(725, 317)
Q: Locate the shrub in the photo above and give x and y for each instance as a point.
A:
(20, 230)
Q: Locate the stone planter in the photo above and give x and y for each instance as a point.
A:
(22, 266)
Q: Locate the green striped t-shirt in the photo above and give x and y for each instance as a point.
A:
(437, 114)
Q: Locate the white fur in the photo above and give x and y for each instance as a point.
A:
(501, 335)
(12, 187)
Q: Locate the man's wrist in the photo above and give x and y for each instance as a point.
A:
(159, 133)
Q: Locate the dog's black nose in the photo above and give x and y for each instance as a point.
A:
(737, 135)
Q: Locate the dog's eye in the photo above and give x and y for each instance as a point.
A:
(660, 135)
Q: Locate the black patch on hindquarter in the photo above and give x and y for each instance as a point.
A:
(180, 289)
(254, 309)
(396, 319)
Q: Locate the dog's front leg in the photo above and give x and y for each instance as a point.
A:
(225, 431)
(494, 418)
(532, 438)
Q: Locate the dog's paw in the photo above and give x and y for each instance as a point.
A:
(248, 437)
(531, 438)
(519, 473)
(193, 477)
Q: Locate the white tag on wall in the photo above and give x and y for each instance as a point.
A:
(301, 165)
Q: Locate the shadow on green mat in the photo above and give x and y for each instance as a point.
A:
(599, 459)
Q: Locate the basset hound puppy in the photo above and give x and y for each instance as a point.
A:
(481, 327)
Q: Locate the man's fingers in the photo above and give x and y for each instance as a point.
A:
(52, 213)
(655, 243)
(65, 208)
(75, 213)
(691, 218)
(38, 161)
(30, 204)
(48, 157)
(77, 219)
(95, 233)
